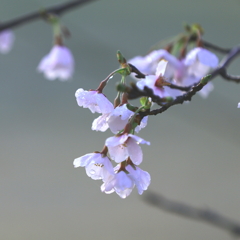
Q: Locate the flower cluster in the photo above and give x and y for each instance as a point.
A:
(166, 76)
(160, 64)
(122, 148)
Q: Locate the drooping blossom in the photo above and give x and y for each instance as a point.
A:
(100, 123)
(123, 182)
(118, 118)
(59, 63)
(6, 41)
(124, 146)
(141, 178)
(97, 166)
(93, 100)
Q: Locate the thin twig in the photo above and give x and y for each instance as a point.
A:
(58, 9)
(215, 47)
(180, 99)
(233, 53)
(182, 209)
(229, 77)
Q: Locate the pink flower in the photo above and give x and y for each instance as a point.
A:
(100, 123)
(59, 63)
(121, 183)
(6, 41)
(199, 61)
(118, 118)
(93, 100)
(150, 81)
(97, 167)
(124, 146)
(141, 178)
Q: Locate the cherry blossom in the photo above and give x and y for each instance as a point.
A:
(121, 183)
(124, 146)
(118, 118)
(151, 82)
(97, 166)
(200, 61)
(100, 123)
(93, 100)
(59, 63)
(141, 178)
(6, 41)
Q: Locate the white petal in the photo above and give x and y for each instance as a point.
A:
(207, 58)
(134, 151)
(6, 41)
(100, 123)
(99, 167)
(118, 153)
(104, 104)
(83, 161)
(138, 139)
(116, 140)
(141, 178)
(143, 124)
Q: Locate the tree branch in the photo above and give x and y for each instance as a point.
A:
(215, 47)
(229, 77)
(184, 210)
(233, 53)
(58, 9)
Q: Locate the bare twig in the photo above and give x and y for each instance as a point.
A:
(233, 53)
(215, 47)
(182, 209)
(229, 77)
(180, 99)
(58, 9)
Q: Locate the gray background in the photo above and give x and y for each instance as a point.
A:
(194, 152)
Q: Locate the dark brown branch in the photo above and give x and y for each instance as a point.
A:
(180, 99)
(184, 210)
(134, 92)
(185, 89)
(229, 77)
(135, 70)
(215, 47)
(58, 10)
(233, 53)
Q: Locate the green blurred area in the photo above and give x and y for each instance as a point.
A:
(194, 152)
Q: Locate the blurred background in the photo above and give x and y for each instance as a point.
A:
(194, 152)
